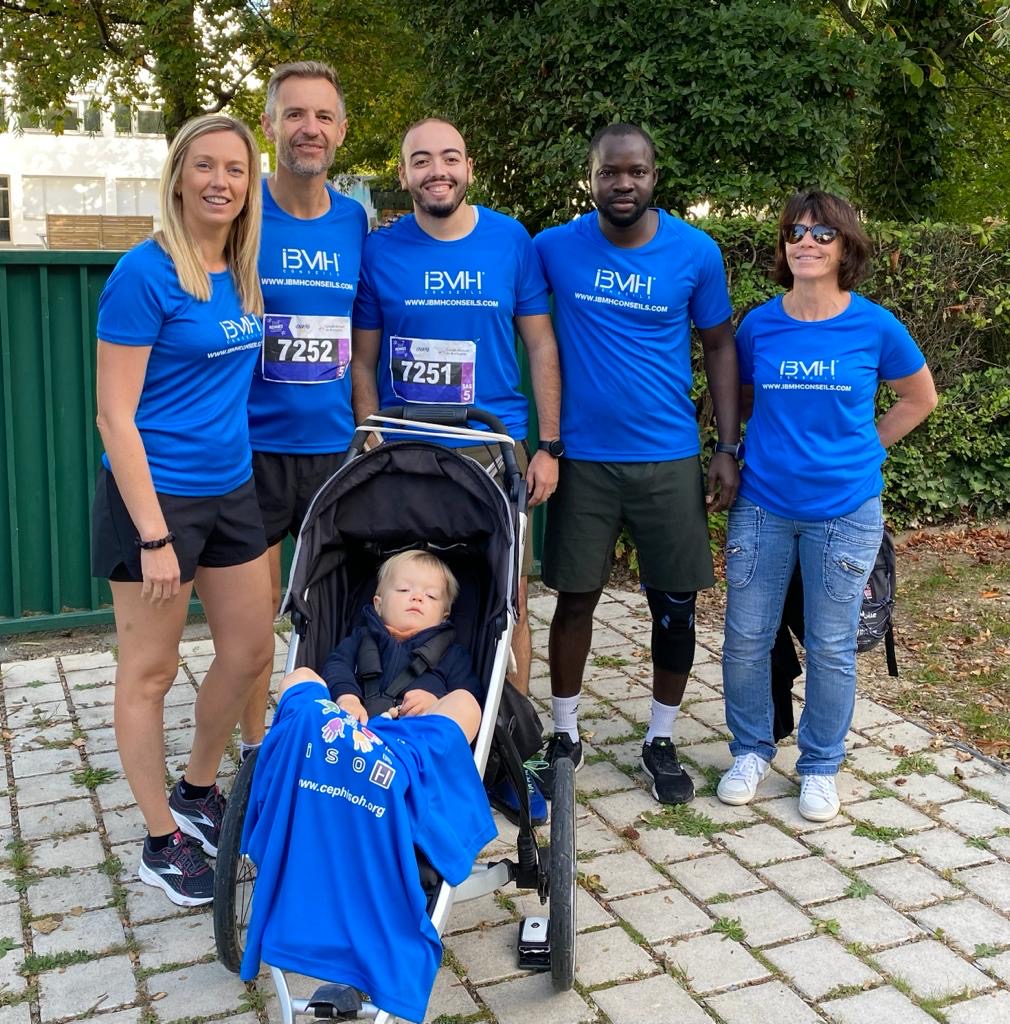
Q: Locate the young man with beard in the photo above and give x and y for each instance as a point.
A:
(628, 280)
(443, 291)
(300, 420)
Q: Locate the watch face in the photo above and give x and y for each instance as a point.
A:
(554, 448)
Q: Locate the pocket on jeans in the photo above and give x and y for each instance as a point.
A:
(849, 553)
(742, 534)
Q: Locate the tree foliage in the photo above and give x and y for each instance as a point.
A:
(930, 50)
(199, 56)
(736, 121)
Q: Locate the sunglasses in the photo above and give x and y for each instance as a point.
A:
(820, 233)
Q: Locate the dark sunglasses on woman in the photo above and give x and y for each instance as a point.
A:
(820, 233)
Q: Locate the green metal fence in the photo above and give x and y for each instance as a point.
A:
(49, 445)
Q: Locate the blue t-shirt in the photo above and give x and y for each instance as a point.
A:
(335, 812)
(623, 322)
(192, 411)
(446, 312)
(300, 399)
(811, 451)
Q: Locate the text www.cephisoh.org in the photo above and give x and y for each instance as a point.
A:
(345, 794)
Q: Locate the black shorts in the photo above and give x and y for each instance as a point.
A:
(661, 503)
(285, 487)
(215, 531)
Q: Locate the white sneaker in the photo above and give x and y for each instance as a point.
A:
(740, 783)
(818, 797)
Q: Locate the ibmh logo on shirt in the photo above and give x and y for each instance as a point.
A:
(814, 370)
(236, 330)
(627, 284)
(301, 261)
(449, 281)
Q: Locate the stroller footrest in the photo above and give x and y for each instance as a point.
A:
(335, 1001)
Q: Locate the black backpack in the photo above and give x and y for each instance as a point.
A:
(877, 611)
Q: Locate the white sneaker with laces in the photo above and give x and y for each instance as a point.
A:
(818, 797)
(740, 783)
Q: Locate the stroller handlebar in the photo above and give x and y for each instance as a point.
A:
(455, 417)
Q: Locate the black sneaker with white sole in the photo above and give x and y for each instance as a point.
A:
(200, 818)
(181, 870)
(670, 783)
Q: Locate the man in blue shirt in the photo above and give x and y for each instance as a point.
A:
(628, 281)
(300, 420)
(442, 293)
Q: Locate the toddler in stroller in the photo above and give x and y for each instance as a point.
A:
(401, 495)
(403, 659)
(383, 790)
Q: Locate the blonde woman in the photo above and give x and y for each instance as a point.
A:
(179, 330)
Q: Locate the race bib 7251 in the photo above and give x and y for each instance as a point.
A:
(433, 370)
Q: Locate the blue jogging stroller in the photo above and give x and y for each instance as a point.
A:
(412, 493)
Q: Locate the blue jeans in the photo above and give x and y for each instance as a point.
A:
(836, 556)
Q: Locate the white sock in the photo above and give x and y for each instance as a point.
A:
(566, 716)
(661, 722)
(245, 749)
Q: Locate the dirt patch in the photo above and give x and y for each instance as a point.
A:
(952, 627)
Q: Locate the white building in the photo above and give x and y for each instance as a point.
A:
(103, 163)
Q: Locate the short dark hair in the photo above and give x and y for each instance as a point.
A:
(620, 129)
(301, 69)
(835, 212)
(428, 120)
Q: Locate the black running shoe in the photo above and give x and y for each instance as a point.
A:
(559, 745)
(201, 818)
(670, 783)
(181, 870)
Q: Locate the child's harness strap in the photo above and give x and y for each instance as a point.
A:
(368, 668)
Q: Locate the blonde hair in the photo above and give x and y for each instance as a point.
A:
(301, 69)
(242, 247)
(424, 560)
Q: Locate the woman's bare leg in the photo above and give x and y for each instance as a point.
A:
(236, 600)
(148, 636)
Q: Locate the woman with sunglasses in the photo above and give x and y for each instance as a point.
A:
(179, 329)
(811, 361)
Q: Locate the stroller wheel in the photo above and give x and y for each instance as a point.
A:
(563, 877)
(234, 874)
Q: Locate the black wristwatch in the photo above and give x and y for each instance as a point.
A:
(555, 448)
(730, 449)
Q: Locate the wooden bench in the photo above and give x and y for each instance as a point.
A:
(66, 231)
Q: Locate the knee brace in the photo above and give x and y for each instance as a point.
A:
(672, 629)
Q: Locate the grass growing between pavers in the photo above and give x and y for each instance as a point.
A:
(729, 928)
(878, 833)
(683, 819)
(918, 764)
(91, 778)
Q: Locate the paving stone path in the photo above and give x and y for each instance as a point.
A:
(898, 910)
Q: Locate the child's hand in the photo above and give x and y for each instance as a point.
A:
(416, 702)
(353, 706)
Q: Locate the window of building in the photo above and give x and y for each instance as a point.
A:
(61, 194)
(150, 122)
(66, 119)
(123, 119)
(137, 197)
(5, 208)
(92, 118)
